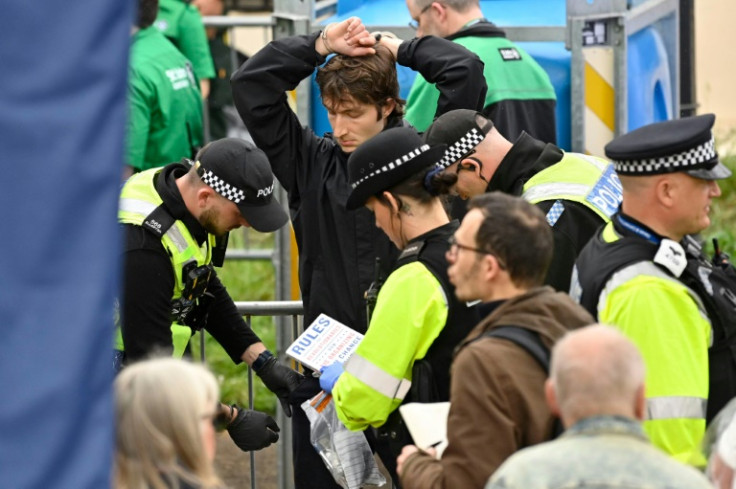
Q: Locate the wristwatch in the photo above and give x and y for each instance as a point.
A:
(261, 360)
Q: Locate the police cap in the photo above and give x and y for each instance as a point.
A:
(240, 172)
(386, 160)
(680, 145)
(461, 130)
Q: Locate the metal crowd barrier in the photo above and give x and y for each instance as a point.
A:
(285, 334)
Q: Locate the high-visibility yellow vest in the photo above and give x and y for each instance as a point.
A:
(669, 324)
(580, 178)
(138, 200)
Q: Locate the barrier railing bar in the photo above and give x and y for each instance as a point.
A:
(245, 254)
(270, 308)
(251, 404)
(248, 309)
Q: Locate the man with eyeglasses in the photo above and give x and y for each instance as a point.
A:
(520, 95)
(497, 386)
(578, 193)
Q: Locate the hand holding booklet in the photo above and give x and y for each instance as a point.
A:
(427, 424)
(325, 341)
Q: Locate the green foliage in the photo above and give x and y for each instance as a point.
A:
(723, 212)
(245, 281)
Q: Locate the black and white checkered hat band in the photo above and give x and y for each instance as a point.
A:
(461, 147)
(687, 160)
(393, 164)
(223, 188)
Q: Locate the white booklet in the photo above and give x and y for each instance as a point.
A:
(427, 424)
(324, 342)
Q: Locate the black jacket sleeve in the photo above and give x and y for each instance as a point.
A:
(571, 232)
(145, 307)
(226, 325)
(259, 91)
(457, 72)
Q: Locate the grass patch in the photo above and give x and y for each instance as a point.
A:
(245, 281)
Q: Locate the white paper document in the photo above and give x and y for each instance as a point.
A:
(427, 424)
(325, 341)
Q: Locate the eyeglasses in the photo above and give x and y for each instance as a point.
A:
(455, 246)
(414, 24)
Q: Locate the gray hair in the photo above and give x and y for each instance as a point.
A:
(596, 370)
(159, 405)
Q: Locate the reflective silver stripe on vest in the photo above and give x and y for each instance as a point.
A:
(676, 407)
(144, 208)
(643, 268)
(545, 191)
(598, 163)
(137, 206)
(377, 379)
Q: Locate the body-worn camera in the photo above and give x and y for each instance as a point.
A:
(191, 308)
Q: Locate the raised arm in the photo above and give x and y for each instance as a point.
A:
(457, 72)
(260, 86)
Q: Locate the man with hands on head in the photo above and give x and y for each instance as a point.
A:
(173, 220)
(359, 87)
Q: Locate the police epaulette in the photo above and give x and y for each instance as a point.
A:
(158, 221)
(411, 251)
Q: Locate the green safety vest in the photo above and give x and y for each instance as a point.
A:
(580, 178)
(138, 200)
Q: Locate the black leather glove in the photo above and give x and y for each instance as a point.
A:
(280, 379)
(253, 430)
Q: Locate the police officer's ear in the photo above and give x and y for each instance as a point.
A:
(473, 164)
(668, 188)
(205, 196)
(394, 204)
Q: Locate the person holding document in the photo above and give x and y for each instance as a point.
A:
(416, 316)
(499, 255)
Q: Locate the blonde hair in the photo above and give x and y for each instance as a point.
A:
(159, 404)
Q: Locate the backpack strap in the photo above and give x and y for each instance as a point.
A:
(526, 339)
(530, 342)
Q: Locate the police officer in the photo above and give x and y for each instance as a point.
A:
(417, 321)
(578, 193)
(645, 273)
(171, 218)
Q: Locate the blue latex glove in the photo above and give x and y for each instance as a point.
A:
(329, 376)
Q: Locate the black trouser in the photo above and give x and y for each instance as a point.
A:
(309, 469)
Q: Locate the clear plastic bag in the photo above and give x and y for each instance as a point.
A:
(346, 453)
